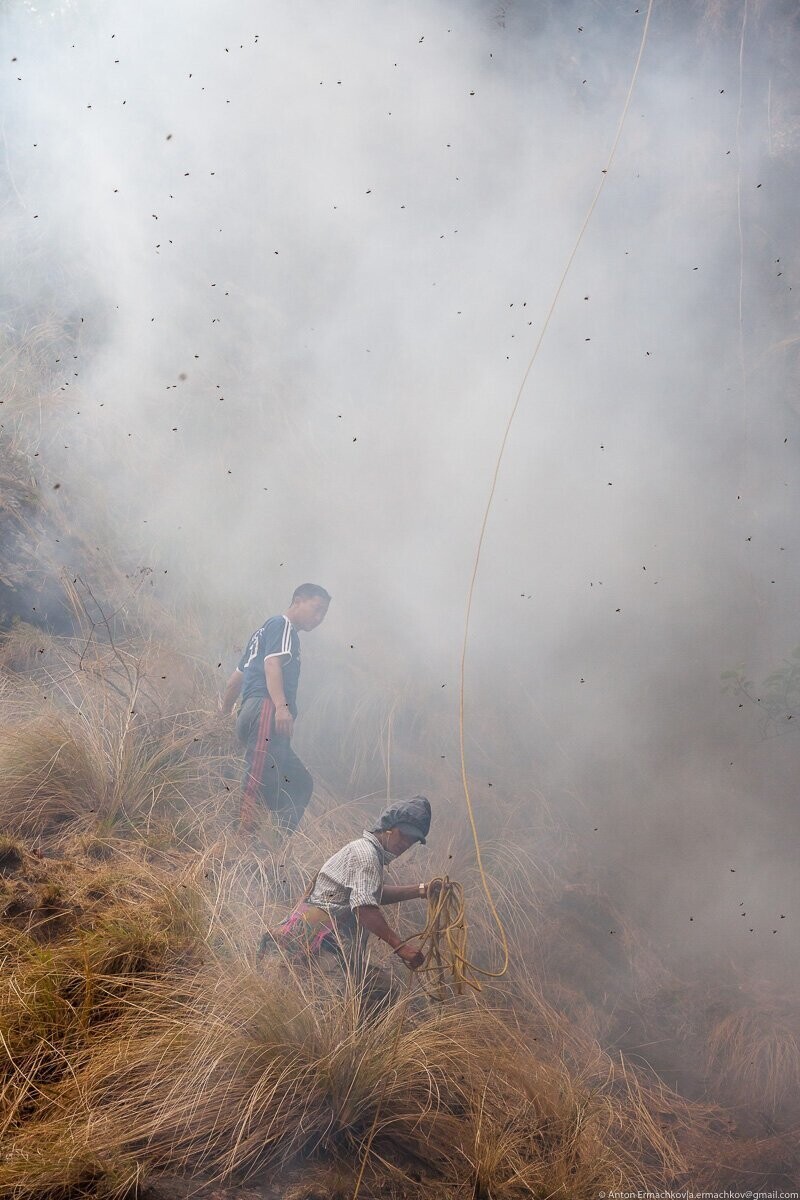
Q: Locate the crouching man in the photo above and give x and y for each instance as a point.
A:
(344, 903)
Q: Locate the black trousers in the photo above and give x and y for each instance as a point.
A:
(274, 777)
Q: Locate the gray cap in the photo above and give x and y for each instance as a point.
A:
(412, 817)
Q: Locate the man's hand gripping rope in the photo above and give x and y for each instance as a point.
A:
(443, 941)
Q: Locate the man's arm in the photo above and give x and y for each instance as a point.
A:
(393, 893)
(273, 669)
(370, 917)
(232, 689)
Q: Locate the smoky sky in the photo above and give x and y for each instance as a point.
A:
(304, 252)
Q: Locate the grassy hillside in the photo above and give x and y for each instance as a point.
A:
(143, 1047)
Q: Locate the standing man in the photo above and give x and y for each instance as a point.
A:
(267, 678)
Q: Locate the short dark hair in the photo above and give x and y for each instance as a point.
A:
(307, 590)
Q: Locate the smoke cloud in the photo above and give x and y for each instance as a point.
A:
(304, 253)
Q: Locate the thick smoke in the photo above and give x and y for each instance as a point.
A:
(306, 251)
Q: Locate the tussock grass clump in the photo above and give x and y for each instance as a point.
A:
(54, 990)
(23, 647)
(100, 777)
(579, 1011)
(228, 1075)
(142, 1042)
(12, 855)
(586, 944)
(126, 943)
(753, 1057)
(257, 1070)
(47, 777)
(58, 1158)
(41, 1022)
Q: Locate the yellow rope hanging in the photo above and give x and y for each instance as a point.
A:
(493, 488)
(444, 937)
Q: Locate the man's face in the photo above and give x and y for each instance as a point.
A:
(311, 612)
(397, 843)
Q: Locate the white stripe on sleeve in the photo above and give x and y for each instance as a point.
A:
(286, 642)
(254, 642)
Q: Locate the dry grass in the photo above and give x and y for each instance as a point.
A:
(24, 648)
(138, 1039)
(47, 777)
(753, 1054)
(103, 771)
(227, 1074)
(143, 1040)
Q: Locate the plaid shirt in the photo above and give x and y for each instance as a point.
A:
(351, 877)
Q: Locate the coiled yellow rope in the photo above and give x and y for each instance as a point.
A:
(443, 941)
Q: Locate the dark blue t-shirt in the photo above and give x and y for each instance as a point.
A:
(277, 636)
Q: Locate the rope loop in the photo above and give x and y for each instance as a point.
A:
(443, 942)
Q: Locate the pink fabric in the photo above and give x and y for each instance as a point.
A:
(301, 927)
